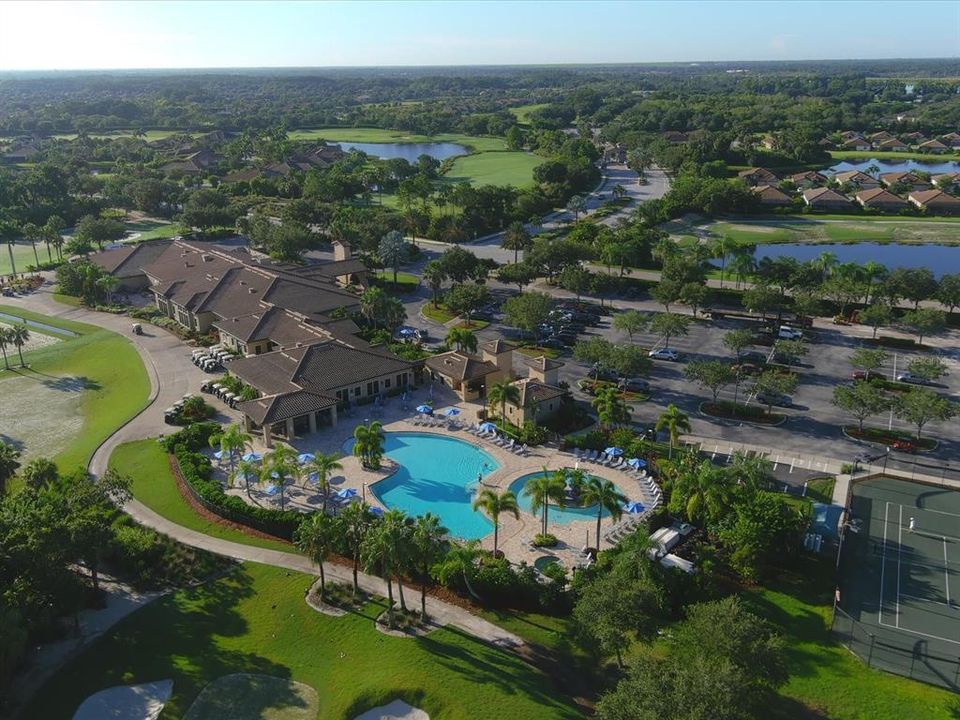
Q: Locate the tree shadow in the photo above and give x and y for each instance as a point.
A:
(17, 445)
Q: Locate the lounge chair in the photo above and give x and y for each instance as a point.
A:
(617, 462)
(592, 456)
(510, 443)
(577, 452)
(602, 459)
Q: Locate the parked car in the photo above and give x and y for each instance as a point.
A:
(638, 385)
(664, 354)
(912, 379)
(770, 398)
(753, 357)
(605, 373)
(789, 333)
(867, 375)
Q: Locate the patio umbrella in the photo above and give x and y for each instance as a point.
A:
(347, 493)
(614, 451)
(313, 477)
(488, 427)
(376, 512)
(218, 454)
(451, 412)
(634, 508)
(425, 409)
(304, 458)
(252, 457)
(637, 463)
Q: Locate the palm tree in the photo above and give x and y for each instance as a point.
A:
(398, 528)
(610, 407)
(720, 248)
(493, 505)
(377, 552)
(368, 445)
(673, 421)
(323, 465)
(743, 263)
(434, 275)
(607, 496)
(315, 537)
(19, 336)
(541, 489)
(707, 490)
(576, 205)
(463, 338)
(824, 263)
(355, 521)
(459, 561)
(392, 251)
(31, 232)
(8, 464)
(232, 442)
(4, 341)
(502, 393)
(247, 469)
(279, 467)
(426, 542)
(516, 238)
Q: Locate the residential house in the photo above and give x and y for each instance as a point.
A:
(951, 140)
(470, 375)
(857, 179)
(892, 145)
(540, 394)
(882, 200)
(769, 196)
(914, 138)
(946, 181)
(127, 263)
(881, 137)
(826, 199)
(192, 164)
(934, 147)
(21, 154)
(935, 202)
(856, 143)
(808, 179)
(758, 176)
(904, 178)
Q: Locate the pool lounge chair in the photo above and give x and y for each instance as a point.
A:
(592, 456)
(576, 452)
(602, 459)
(617, 463)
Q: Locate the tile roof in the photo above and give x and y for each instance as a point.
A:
(935, 198)
(495, 346)
(879, 196)
(276, 408)
(130, 257)
(533, 391)
(900, 177)
(824, 196)
(460, 366)
(855, 176)
(542, 363)
(770, 195)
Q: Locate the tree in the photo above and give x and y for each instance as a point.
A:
(232, 442)
(761, 531)
(948, 291)
(576, 204)
(18, 336)
(323, 466)
(51, 234)
(9, 463)
(516, 238)
(694, 295)
(771, 384)
(607, 613)
(4, 342)
(528, 311)
(876, 316)
(606, 496)
(610, 407)
(862, 399)
(501, 393)
(315, 537)
(466, 299)
(713, 375)
(434, 275)
(927, 368)
(426, 543)
(703, 494)
(914, 284)
(666, 292)
(39, 473)
(280, 468)
(628, 360)
(458, 264)
(368, 444)
(869, 359)
(920, 406)
(459, 562)
(93, 230)
(465, 340)
(576, 279)
(790, 351)
(379, 554)
(674, 421)
(521, 274)
(668, 325)
(923, 322)
(392, 251)
(630, 322)
(761, 299)
(398, 530)
(737, 341)
(494, 504)
(354, 523)
(541, 489)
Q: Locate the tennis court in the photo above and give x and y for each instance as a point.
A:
(899, 579)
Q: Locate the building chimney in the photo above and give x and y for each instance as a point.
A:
(341, 251)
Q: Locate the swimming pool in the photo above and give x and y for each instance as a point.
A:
(558, 514)
(436, 474)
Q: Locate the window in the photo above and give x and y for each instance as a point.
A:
(356, 391)
(401, 380)
(386, 383)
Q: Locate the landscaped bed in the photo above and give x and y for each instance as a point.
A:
(883, 436)
(727, 410)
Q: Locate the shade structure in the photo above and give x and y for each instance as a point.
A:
(614, 451)
(304, 458)
(376, 512)
(451, 412)
(634, 507)
(425, 409)
(220, 454)
(252, 457)
(488, 427)
(637, 463)
(347, 493)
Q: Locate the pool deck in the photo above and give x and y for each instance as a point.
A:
(515, 535)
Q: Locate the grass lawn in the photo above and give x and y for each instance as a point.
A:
(22, 256)
(153, 230)
(256, 621)
(873, 154)
(522, 112)
(495, 168)
(437, 314)
(824, 674)
(406, 282)
(536, 351)
(833, 229)
(75, 393)
(821, 489)
(153, 485)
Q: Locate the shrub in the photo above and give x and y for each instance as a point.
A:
(193, 437)
(545, 540)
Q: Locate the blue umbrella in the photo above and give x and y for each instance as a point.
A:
(406, 332)
(314, 477)
(614, 451)
(637, 463)
(304, 458)
(376, 512)
(218, 454)
(450, 412)
(488, 427)
(271, 490)
(252, 457)
(347, 493)
(634, 508)
(425, 409)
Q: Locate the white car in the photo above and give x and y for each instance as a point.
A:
(789, 333)
(664, 354)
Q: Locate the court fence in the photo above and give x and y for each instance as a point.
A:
(894, 653)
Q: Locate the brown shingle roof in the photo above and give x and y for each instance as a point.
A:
(855, 177)
(543, 363)
(878, 197)
(129, 259)
(278, 408)
(824, 196)
(935, 199)
(770, 195)
(533, 392)
(460, 366)
(495, 346)
(891, 178)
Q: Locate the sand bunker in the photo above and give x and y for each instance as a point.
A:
(126, 702)
(397, 710)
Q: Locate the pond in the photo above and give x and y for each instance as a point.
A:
(934, 167)
(941, 259)
(407, 151)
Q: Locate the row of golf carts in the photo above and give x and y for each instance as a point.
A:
(217, 390)
(213, 358)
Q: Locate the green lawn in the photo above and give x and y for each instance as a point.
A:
(153, 485)
(406, 282)
(495, 168)
(153, 230)
(522, 112)
(831, 229)
(98, 373)
(873, 154)
(437, 314)
(22, 256)
(151, 135)
(256, 621)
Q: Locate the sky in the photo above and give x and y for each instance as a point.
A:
(200, 34)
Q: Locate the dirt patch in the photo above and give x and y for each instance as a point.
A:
(37, 340)
(40, 414)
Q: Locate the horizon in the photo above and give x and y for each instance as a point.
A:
(374, 34)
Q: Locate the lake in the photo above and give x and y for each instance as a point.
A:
(941, 259)
(408, 151)
(934, 167)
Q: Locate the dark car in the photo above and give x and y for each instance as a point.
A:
(866, 375)
(605, 374)
(638, 385)
(753, 357)
(772, 398)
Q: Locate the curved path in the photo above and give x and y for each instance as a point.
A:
(172, 374)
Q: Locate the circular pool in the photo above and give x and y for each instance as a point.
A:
(544, 561)
(560, 514)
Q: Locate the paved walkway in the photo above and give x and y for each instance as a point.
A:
(172, 374)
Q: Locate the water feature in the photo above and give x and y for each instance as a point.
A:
(408, 151)
(934, 167)
(941, 259)
(560, 515)
(42, 327)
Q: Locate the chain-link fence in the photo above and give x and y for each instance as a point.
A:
(896, 652)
